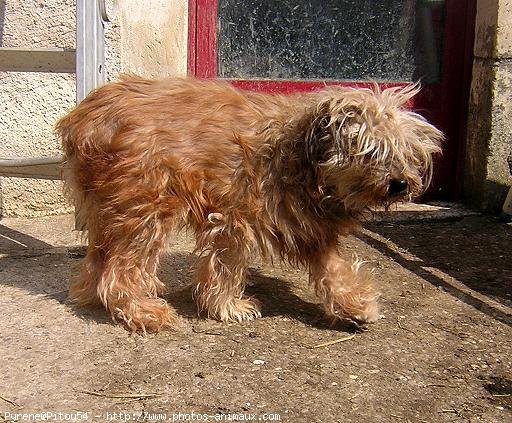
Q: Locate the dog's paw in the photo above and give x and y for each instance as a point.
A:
(370, 313)
(147, 315)
(238, 310)
(361, 310)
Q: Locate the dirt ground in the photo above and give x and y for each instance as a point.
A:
(441, 353)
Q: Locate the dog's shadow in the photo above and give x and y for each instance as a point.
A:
(276, 295)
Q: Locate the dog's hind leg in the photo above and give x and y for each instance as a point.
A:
(129, 285)
(344, 288)
(221, 275)
(120, 268)
(84, 289)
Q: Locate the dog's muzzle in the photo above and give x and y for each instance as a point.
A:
(397, 186)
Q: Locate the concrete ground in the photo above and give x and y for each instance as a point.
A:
(441, 353)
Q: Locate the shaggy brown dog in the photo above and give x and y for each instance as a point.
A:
(249, 173)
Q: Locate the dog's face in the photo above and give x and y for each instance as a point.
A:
(370, 148)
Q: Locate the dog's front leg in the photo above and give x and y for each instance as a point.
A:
(344, 287)
(221, 275)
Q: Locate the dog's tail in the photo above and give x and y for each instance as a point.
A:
(71, 137)
(85, 134)
(67, 133)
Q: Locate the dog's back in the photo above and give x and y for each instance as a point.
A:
(130, 129)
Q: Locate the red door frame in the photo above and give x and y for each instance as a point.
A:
(443, 103)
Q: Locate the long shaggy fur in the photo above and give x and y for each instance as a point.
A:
(279, 176)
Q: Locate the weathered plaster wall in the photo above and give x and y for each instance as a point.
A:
(154, 37)
(31, 102)
(145, 37)
(489, 141)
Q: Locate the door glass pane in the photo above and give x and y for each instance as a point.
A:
(393, 40)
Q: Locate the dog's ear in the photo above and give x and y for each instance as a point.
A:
(329, 127)
(316, 134)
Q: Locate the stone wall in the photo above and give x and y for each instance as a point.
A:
(489, 139)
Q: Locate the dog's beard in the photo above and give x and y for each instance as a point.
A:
(364, 186)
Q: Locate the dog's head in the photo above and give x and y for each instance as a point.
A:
(369, 148)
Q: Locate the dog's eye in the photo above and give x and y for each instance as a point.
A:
(397, 186)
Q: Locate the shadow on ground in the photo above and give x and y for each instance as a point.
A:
(12, 241)
(474, 252)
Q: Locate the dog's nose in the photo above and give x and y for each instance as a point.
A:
(397, 186)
